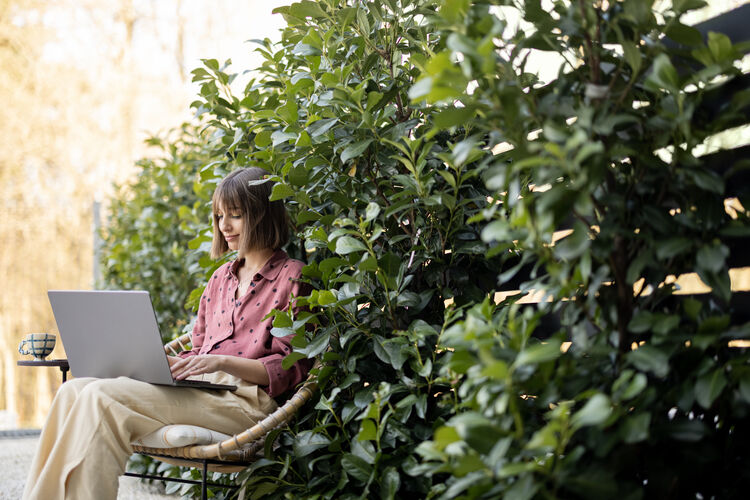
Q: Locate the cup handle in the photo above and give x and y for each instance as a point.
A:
(20, 347)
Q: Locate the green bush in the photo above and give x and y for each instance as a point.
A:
(610, 148)
(425, 169)
(382, 214)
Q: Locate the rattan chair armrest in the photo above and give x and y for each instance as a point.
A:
(179, 344)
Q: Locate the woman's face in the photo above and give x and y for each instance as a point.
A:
(230, 224)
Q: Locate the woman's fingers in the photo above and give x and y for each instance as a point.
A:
(183, 368)
(195, 365)
(177, 366)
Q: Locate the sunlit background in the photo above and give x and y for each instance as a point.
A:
(82, 84)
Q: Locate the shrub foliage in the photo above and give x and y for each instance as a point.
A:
(427, 168)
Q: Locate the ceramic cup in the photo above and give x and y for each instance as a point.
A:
(39, 345)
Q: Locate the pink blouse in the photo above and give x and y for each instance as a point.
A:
(236, 327)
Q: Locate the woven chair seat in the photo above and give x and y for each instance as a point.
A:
(235, 453)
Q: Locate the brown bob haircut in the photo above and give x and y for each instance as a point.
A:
(266, 223)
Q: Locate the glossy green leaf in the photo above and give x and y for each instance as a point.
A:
(372, 211)
(355, 150)
(632, 55)
(308, 441)
(539, 353)
(709, 386)
(596, 410)
(280, 137)
(262, 138)
(291, 359)
(281, 191)
(356, 467)
(391, 482)
(306, 8)
(368, 431)
(320, 127)
(686, 35)
(346, 245)
(721, 47)
(712, 258)
(663, 75)
(650, 359)
(452, 117)
(326, 297)
(453, 10)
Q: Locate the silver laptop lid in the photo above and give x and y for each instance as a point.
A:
(110, 334)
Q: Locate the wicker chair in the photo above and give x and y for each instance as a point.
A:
(233, 454)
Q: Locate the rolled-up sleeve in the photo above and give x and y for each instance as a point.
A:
(282, 380)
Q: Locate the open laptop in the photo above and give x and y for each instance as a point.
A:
(109, 334)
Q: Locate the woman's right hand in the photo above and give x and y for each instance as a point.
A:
(250, 370)
(199, 364)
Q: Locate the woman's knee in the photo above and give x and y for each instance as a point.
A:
(78, 383)
(72, 388)
(100, 387)
(121, 390)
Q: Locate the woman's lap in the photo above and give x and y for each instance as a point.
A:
(217, 410)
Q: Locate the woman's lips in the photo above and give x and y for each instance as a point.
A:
(230, 238)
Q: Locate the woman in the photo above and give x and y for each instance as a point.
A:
(85, 443)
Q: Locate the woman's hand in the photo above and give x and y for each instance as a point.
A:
(183, 368)
(251, 370)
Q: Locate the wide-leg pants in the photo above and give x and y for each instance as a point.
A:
(85, 443)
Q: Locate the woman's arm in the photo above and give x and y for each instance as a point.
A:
(250, 370)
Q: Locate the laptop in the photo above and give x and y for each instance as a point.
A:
(108, 334)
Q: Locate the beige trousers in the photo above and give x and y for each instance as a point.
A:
(85, 443)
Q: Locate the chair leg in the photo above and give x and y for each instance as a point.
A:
(204, 487)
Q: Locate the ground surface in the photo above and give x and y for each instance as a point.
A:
(16, 454)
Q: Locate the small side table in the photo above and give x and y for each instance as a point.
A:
(60, 363)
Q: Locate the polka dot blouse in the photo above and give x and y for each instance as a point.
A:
(235, 326)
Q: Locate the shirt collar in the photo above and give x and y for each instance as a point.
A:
(270, 269)
(273, 265)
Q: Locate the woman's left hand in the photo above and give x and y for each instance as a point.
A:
(196, 365)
